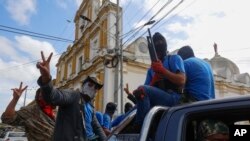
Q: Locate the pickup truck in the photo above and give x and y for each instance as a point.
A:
(180, 123)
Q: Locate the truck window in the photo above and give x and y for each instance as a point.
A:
(229, 117)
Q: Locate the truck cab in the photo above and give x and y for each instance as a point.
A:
(180, 123)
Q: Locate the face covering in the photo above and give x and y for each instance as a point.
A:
(89, 90)
(161, 50)
(46, 108)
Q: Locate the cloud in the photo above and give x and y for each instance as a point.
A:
(65, 4)
(62, 3)
(24, 52)
(223, 22)
(21, 10)
(8, 51)
(201, 23)
(33, 47)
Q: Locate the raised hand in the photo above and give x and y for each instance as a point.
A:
(17, 92)
(127, 89)
(44, 68)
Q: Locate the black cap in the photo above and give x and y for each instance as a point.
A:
(93, 80)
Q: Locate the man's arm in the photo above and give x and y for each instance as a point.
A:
(10, 109)
(98, 129)
(57, 97)
(130, 96)
(106, 124)
(51, 94)
(177, 78)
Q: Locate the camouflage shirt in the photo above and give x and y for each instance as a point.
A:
(38, 126)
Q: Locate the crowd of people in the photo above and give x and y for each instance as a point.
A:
(170, 81)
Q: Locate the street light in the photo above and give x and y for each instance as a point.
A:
(133, 30)
(138, 28)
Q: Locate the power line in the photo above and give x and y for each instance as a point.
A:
(177, 13)
(171, 10)
(131, 31)
(126, 7)
(134, 15)
(33, 34)
(132, 36)
(24, 64)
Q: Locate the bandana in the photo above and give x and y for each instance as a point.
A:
(46, 108)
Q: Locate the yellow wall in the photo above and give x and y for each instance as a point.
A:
(103, 34)
(99, 98)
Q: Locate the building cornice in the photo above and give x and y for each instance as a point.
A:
(95, 66)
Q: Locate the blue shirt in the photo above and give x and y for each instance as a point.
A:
(174, 63)
(120, 118)
(117, 120)
(99, 117)
(106, 121)
(88, 119)
(199, 79)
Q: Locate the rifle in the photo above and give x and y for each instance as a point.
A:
(151, 48)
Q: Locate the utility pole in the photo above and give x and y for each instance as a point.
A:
(24, 101)
(121, 75)
(116, 79)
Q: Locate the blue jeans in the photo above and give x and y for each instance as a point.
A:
(154, 97)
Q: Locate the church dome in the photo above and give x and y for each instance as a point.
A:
(221, 63)
(223, 67)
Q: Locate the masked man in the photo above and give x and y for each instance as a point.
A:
(76, 119)
(164, 82)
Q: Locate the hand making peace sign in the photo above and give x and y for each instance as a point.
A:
(44, 68)
(17, 92)
(126, 89)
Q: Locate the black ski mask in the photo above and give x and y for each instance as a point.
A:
(160, 45)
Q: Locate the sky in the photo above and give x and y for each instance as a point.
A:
(195, 23)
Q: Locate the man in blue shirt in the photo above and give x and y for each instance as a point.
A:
(167, 71)
(107, 117)
(199, 76)
(117, 120)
